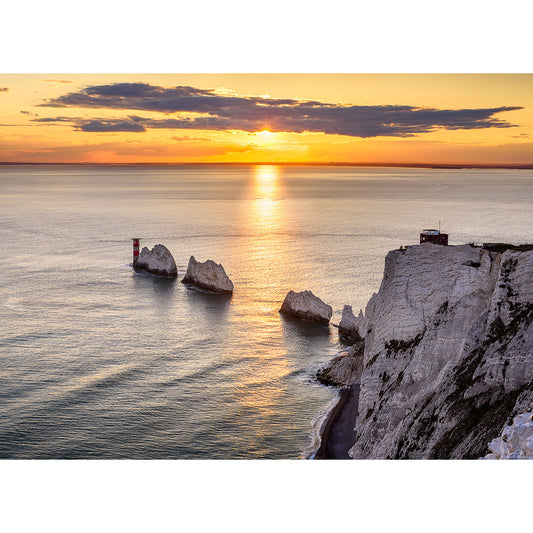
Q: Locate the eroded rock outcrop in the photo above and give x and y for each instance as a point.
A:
(344, 369)
(448, 355)
(306, 306)
(516, 440)
(209, 276)
(349, 324)
(158, 261)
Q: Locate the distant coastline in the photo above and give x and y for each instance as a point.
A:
(524, 166)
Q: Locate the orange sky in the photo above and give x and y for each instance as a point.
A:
(366, 118)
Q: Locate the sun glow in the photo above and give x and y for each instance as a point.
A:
(265, 136)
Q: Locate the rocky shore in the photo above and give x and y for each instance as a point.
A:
(337, 434)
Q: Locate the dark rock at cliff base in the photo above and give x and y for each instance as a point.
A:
(344, 369)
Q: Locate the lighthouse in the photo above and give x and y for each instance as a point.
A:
(136, 241)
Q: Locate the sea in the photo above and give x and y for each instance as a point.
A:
(100, 362)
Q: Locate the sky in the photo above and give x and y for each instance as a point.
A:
(278, 118)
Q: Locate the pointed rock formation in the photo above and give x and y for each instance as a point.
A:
(209, 276)
(306, 306)
(349, 325)
(157, 261)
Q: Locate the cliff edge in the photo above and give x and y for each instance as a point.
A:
(448, 357)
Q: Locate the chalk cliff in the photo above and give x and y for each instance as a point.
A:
(448, 357)
(158, 261)
(209, 276)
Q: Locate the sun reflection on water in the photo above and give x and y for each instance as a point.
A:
(266, 194)
(266, 181)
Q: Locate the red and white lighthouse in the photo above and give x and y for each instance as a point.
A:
(135, 249)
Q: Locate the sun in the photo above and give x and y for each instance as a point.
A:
(265, 135)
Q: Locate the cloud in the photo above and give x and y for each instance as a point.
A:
(111, 125)
(29, 113)
(249, 113)
(97, 125)
(56, 81)
(4, 89)
(52, 119)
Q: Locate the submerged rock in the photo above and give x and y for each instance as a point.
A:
(157, 261)
(349, 325)
(209, 276)
(306, 306)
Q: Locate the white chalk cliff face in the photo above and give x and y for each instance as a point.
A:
(516, 440)
(448, 354)
(349, 324)
(209, 276)
(306, 306)
(157, 261)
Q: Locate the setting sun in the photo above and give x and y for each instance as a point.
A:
(266, 135)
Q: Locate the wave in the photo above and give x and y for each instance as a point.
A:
(70, 392)
(205, 371)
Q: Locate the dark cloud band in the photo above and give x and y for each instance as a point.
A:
(223, 112)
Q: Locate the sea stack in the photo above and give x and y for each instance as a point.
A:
(349, 325)
(209, 276)
(306, 306)
(157, 261)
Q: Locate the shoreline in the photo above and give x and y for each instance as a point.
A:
(337, 434)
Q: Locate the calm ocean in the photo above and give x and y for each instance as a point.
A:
(99, 362)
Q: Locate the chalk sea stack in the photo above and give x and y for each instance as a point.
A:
(349, 325)
(158, 261)
(209, 276)
(306, 306)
